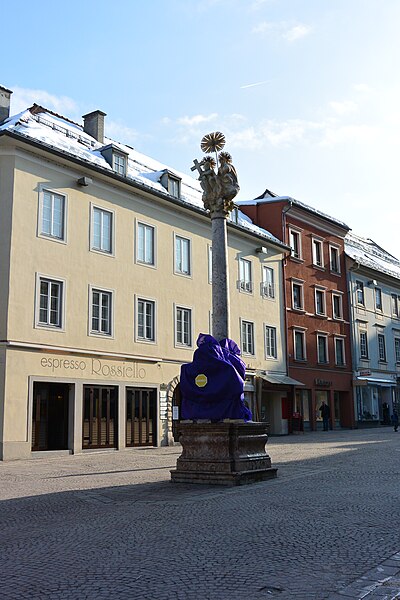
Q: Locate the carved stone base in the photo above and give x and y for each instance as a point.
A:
(227, 453)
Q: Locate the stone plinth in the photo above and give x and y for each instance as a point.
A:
(226, 453)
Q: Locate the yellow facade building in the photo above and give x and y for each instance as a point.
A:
(105, 284)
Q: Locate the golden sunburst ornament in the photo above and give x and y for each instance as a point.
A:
(213, 142)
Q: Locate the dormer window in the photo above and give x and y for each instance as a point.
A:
(119, 163)
(116, 158)
(172, 183)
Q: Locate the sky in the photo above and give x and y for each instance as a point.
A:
(306, 92)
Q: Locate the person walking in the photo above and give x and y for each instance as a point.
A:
(395, 419)
(325, 414)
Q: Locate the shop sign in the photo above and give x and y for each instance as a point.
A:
(322, 382)
(364, 373)
(94, 366)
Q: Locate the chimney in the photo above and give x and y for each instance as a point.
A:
(93, 124)
(5, 96)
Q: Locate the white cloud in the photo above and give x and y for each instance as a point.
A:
(296, 33)
(121, 133)
(363, 88)
(196, 120)
(343, 108)
(288, 31)
(249, 85)
(23, 98)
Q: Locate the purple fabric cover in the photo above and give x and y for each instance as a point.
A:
(220, 394)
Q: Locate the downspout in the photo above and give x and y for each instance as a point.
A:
(356, 265)
(284, 211)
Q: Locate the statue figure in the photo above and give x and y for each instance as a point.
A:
(219, 188)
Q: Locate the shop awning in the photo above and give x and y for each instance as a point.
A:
(376, 381)
(279, 379)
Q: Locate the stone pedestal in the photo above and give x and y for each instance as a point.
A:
(227, 453)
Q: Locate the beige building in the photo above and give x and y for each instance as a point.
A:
(105, 285)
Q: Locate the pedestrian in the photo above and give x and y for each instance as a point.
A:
(395, 419)
(325, 414)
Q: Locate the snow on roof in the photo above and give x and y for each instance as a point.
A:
(59, 133)
(269, 196)
(367, 253)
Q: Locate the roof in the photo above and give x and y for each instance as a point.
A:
(57, 133)
(368, 254)
(269, 196)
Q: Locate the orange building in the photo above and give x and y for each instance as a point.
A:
(316, 307)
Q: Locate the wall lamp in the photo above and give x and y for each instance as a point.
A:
(262, 250)
(84, 181)
(373, 282)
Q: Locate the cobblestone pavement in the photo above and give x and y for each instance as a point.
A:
(112, 526)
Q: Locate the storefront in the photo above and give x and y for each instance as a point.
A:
(375, 398)
(76, 403)
(277, 402)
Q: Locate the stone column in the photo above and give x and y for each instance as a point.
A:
(220, 277)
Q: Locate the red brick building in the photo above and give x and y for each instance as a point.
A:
(317, 310)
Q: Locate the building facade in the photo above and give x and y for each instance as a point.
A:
(316, 306)
(374, 284)
(105, 285)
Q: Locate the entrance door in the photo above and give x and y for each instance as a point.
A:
(141, 417)
(100, 417)
(176, 411)
(50, 416)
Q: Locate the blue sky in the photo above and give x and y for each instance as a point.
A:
(307, 92)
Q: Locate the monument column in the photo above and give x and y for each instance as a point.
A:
(220, 277)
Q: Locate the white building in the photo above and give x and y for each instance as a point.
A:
(374, 284)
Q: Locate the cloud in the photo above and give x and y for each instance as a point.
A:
(343, 108)
(249, 85)
(121, 133)
(196, 120)
(288, 31)
(363, 88)
(23, 98)
(296, 33)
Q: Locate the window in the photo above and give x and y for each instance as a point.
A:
(299, 345)
(339, 352)
(295, 243)
(381, 347)
(183, 326)
(378, 299)
(245, 275)
(270, 342)
(247, 337)
(171, 183)
(145, 244)
(145, 320)
(297, 296)
(317, 251)
(322, 348)
(102, 221)
(119, 163)
(397, 349)
(50, 302)
(363, 344)
(268, 283)
(360, 292)
(52, 215)
(182, 255)
(395, 305)
(174, 187)
(334, 259)
(320, 302)
(337, 306)
(101, 312)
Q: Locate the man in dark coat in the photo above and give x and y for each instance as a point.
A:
(325, 414)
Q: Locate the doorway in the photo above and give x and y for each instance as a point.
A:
(50, 416)
(141, 417)
(100, 417)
